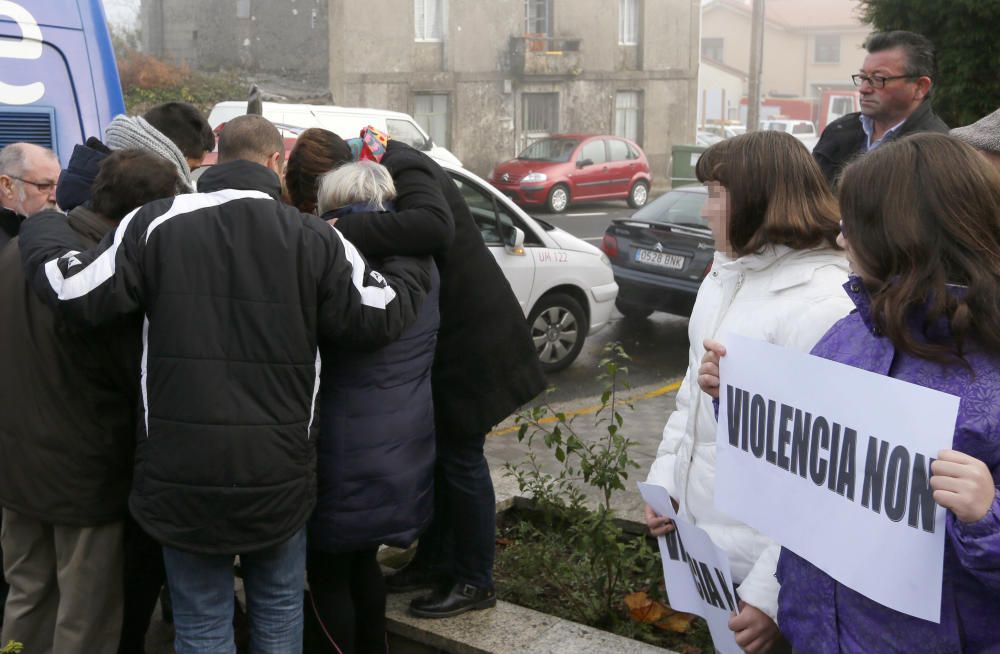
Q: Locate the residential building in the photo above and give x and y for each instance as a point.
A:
(483, 78)
(810, 46)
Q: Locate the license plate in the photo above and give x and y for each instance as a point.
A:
(652, 258)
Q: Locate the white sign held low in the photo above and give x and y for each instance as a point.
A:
(696, 572)
(833, 462)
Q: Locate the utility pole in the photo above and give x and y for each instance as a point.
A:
(756, 61)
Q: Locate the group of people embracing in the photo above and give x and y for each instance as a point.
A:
(251, 381)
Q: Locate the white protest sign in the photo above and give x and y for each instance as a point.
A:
(696, 572)
(833, 463)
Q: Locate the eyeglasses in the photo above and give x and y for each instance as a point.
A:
(43, 187)
(878, 81)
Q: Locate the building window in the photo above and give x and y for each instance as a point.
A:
(628, 22)
(628, 115)
(827, 49)
(428, 17)
(431, 112)
(711, 49)
(538, 17)
(539, 116)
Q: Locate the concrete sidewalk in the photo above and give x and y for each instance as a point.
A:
(643, 424)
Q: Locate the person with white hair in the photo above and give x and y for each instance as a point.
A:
(375, 464)
(355, 187)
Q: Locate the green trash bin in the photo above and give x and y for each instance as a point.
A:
(682, 161)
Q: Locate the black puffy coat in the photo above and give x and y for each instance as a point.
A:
(845, 138)
(236, 289)
(485, 365)
(375, 466)
(10, 224)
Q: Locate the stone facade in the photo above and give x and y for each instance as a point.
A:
(493, 85)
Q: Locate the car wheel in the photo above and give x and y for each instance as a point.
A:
(633, 311)
(638, 195)
(558, 199)
(558, 327)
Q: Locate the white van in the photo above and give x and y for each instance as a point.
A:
(346, 122)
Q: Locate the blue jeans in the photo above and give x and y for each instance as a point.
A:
(201, 587)
(461, 539)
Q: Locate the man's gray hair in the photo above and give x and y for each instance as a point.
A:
(353, 183)
(12, 160)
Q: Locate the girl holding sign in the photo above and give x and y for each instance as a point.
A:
(776, 276)
(922, 231)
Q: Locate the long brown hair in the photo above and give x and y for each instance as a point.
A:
(923, 214)
(777, 193)
(316, 151)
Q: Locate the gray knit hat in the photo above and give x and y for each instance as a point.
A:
(135, 132)
(984, 134)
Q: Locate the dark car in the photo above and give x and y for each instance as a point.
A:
(557, 170)
(661, 254)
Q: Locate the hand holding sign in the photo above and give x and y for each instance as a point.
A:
(755, 632)
(658, 525)
(963, 484)
(708, 372)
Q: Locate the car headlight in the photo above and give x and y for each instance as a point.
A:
(531, 178)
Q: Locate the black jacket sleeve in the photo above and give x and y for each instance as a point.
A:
(422, 224)
(91, 287)
(361, 308)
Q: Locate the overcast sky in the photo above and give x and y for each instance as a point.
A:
(122, 13)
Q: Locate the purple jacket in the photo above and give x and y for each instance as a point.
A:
(819, 615)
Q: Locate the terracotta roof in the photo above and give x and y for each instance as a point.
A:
(803, 14)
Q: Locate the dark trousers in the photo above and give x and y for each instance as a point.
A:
(144, 577)
(461, 539)
(347, 599)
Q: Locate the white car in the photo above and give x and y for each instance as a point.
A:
(564, 285)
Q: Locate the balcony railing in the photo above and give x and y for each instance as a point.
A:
(537, 55)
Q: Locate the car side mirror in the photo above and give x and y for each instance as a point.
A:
(582, 163)
(515, 241)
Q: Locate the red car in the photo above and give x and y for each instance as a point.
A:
(570, 167)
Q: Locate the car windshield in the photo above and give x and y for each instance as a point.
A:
(675, 208)
(559, 150)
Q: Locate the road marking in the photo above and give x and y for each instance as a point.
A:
(599, 213)
(590, 410)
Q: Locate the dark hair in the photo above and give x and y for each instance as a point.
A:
(777, 193)
(129, 179)
(920, 214)
(918, 49)
(317, 151)
(250, 137)
(183, 124)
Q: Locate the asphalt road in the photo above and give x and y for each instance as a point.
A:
(658, 345)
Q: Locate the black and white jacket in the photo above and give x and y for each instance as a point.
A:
(236, 291)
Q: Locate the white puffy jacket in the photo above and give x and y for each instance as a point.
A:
(782, 296)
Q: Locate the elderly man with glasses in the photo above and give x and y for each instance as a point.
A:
(895, 84)
(28, 175)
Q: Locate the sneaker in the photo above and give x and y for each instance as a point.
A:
(454, 600)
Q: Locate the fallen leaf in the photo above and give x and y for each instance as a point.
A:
(644, 609)
(505, 541)
(676, 622)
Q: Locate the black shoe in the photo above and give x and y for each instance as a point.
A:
(456, 599)
(412, 577)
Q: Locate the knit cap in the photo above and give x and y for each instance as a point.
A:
(984, 134)
(135, 132)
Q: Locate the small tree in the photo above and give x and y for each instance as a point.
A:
(968, 53)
